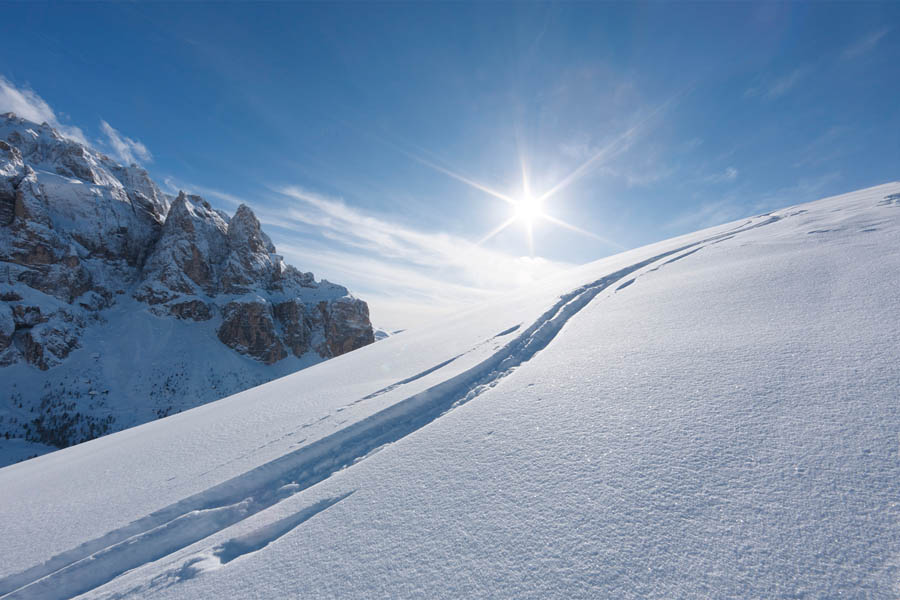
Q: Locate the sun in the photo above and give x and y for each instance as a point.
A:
(528, 209)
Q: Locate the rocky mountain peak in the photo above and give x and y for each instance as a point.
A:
(83, 229)
(244, 231)
(85, 242)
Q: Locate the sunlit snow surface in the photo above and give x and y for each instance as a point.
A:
(716, 415)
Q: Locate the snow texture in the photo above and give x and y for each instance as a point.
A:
(715, 415)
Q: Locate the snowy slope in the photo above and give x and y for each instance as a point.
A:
(711, 416)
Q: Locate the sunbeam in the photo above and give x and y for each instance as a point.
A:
(526, 185)
(497, 230)
(571, 227)
(466, 180)
(607, 150)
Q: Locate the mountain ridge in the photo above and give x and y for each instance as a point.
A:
(81, 234)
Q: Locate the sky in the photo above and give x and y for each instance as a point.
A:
(391, 147)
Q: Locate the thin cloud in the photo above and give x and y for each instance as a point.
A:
(728, 175)
(127, 150)
(709, 214)
(832, 145)
(864, 45)
(399, 296)
(779, 87)
(732, 207)
(806, 190)
(400, 249)
(25, 103)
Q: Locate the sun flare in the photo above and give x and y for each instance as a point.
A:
(528, 209)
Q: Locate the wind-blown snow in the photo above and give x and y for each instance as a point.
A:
(712, 416)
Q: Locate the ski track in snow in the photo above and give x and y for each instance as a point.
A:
(229, 550)
(192, 519)
(890, 200)
(512, 329)
(394, 386)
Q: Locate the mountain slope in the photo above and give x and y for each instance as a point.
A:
(120, 304)
(711, 416)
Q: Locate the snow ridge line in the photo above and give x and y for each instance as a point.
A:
(196, 517)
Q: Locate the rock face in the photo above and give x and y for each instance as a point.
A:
(206, 263)
(249, 328)
(347, 325)
(81, 235)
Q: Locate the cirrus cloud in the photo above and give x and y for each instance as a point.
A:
(25, 103)
(127, 150)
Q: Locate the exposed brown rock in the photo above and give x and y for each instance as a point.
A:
(197, 268)
(45, 347)
(8, 181)
(152, 296)
(7, 326)
(295, 326)
(74, 162)
(7, 206)
(195, 310)
(347, 325)
(248, 327)
(31, 206)
(37, 254)
(59, 280)
(27, 316)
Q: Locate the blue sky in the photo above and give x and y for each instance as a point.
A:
(365, 135)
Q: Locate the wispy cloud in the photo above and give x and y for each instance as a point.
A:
(127, 150)
(728, 175)
(833, 144)
(25, 103)
(805, 190)
(779, 87)
(733, 206)
(400, 250)
(864, 45)
(709, 214)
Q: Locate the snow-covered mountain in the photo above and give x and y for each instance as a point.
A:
(120, 304)
(713, 416)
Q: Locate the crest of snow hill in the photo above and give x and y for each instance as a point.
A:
(78, 232)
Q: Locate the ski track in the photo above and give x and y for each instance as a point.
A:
(201, 515)
(228, 551)
(394, 386)
(890, 200)
(505, 332)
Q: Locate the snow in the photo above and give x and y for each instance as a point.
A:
(151, 366)
(711, 416)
